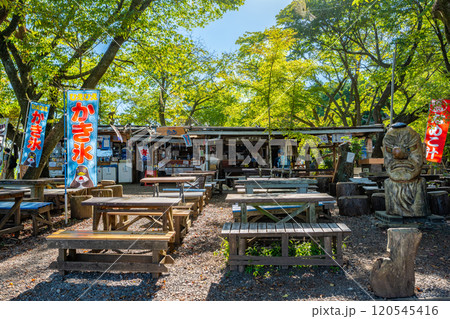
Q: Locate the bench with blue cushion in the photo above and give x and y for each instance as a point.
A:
(36, 210)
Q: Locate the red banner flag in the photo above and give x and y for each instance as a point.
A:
(437, 128)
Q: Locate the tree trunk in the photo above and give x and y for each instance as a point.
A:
(162, 106)
(441, 11)
(394, 277)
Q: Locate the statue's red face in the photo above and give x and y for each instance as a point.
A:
(403, 153)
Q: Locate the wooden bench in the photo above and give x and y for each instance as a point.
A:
(38, 211)
(329, 235)
(241, 190)
(70, 260)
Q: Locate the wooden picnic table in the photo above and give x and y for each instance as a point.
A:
(178, 180)
(141, 207)
(14, 211)
(362, 181)
(305, 201)
(300, 184)
(36, 186)
(193, 196)
(197, 173)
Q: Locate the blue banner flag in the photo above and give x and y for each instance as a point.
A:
(187, 140)
(82, 119)
(34, 134)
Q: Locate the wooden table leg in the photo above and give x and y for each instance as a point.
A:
(200, 204)
(241, 251)
(177, 225)
(244, 213)
(181, 187)
(311, 213)
(155, 260)
(233, 249)
(284, 247)
(62, 257)
(169, 216)
(38, 192)
(96, 218)
(17, 220)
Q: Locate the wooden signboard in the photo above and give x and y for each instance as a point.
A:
(170, 131)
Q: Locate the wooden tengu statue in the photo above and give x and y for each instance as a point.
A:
(403, 158)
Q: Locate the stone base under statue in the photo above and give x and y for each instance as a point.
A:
(396, 221)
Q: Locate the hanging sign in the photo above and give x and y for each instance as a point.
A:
(339, 138)
(187, 140)
(437, 128)
(170, 130)
(144, 152)
(82, 119)
(34, 134)
(323, 139)
(3, 131)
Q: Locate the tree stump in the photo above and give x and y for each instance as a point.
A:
(333, 189)
(378, 202)
(323, 184)
(353, 205)
(76, 210)
(346, 189)
(89, 190)
(102, 192)
(107, 182)
(439, 203)
(117, 190)
(394, 277)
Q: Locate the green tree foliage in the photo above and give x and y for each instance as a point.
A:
(174, 81)
(270, 85)
(49, 46)
(354, 46)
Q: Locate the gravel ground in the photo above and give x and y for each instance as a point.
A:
(200, 272)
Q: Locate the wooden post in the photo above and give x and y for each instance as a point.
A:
(394, 277)
(233, 249)
(284, 247)
(244, 213)
(311, 213)
(242, 248)
(62, 257)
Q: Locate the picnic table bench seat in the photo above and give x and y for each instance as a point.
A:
(38, 211)
(207, 188)
(186, 190)
(329, 235)
(206, 192)
(69, 259)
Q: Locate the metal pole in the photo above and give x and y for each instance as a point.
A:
(23, 139)
(66, 211)
(392, 86)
